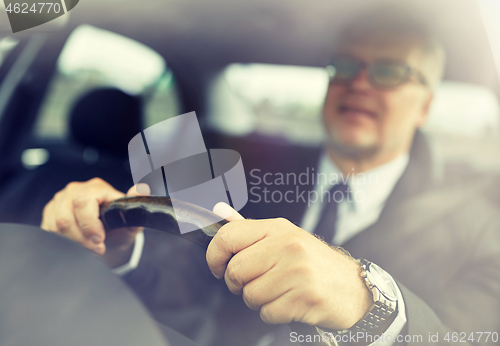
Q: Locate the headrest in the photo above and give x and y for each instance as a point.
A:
(106, 119)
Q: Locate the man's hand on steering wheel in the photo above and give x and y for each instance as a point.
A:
(287, 273)
(74, 213)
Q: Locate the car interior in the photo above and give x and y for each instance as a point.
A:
(253, 72)
(75, 91)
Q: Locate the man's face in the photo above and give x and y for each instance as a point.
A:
(362, 120)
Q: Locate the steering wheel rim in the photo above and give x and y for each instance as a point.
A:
(159, 213)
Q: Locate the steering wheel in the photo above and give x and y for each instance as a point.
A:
(54, 292)
(158, 213)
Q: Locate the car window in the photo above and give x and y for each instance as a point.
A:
(276, 100)
(287, 101)
(464, 109)
(6, 45)
(94, 58)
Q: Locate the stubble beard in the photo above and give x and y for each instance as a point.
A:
(355, 152)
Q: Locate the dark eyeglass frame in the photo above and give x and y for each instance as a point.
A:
(370, 68)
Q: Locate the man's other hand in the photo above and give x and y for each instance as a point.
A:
(74, 213)
(287, 273)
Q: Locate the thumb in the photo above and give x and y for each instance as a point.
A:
(139, 190)
(225, 211)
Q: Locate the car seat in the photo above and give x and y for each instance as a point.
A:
(101, 123)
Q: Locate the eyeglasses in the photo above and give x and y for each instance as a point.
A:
(382, 74)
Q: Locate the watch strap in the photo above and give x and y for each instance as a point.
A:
(380, 312)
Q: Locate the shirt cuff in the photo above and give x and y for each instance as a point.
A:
(392, 333)
(134, 258)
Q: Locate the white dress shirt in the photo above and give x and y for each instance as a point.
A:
(369, 191)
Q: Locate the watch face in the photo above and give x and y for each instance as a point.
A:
(383, 281)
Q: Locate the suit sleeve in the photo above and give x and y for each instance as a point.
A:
(469, 307)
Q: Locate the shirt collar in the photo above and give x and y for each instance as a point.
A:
(369, 189)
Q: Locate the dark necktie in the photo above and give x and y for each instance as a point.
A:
(326, 224)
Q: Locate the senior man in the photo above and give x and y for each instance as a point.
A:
(431, 248)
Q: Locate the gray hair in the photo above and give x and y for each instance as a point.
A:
(399, 25)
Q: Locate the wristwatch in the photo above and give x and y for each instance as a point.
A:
(384, 297)
(384, 306)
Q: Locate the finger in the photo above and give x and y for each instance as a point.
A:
(47, 223)
(49, 213)
(85, 205)
(225, 211)
(268, 287)
(280, 310)
(249, 264)
(141, 189)
(231, 239)
(86, 212)
(64, 219)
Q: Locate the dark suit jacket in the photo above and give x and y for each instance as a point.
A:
(438, 236)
